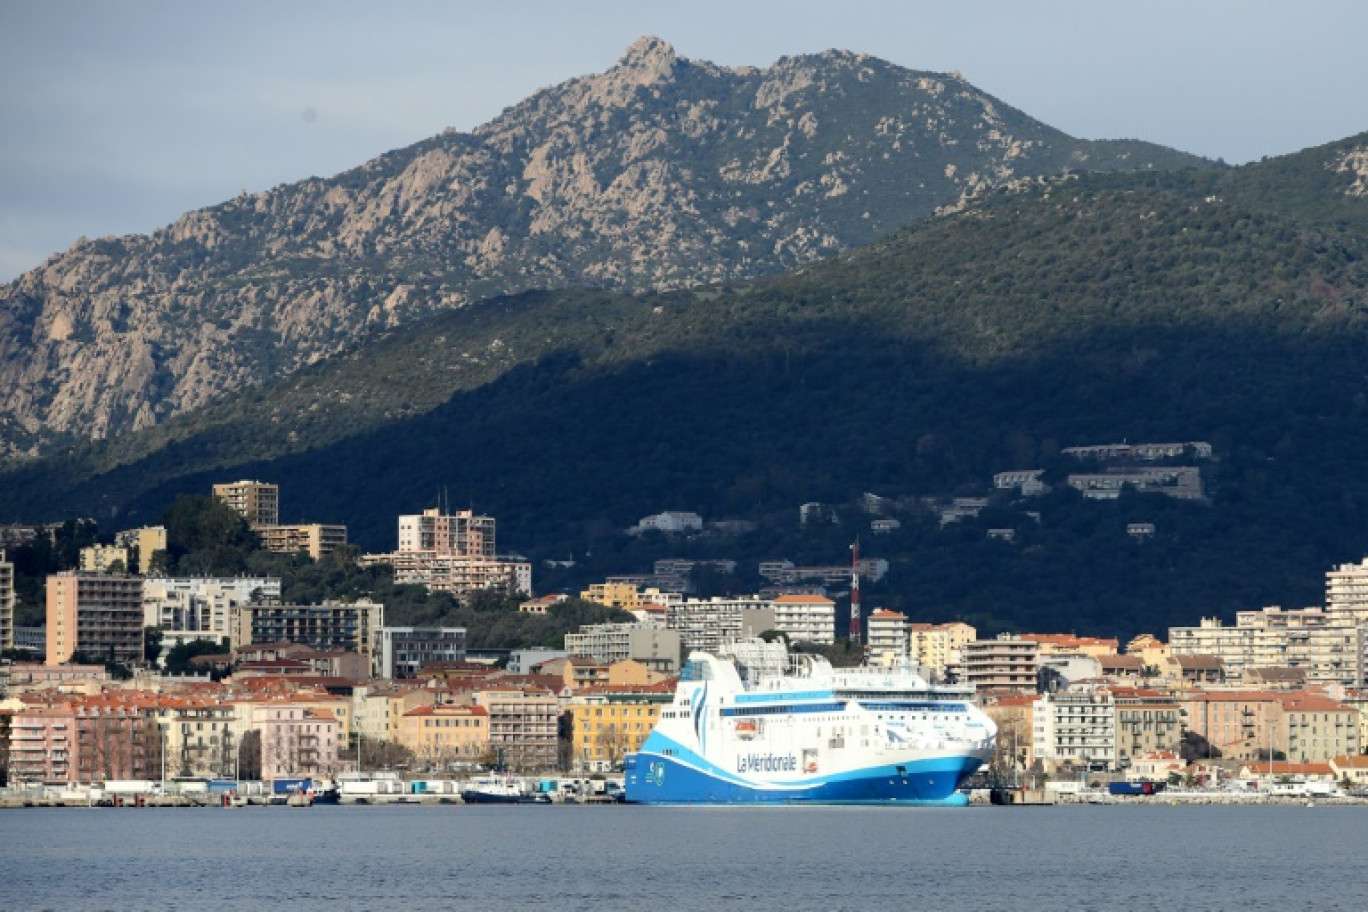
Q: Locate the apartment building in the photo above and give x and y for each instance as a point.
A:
(296, 742)
(100, 615)
(628, 596)
(1004, 663)
(199, 738)
(313, 539)
(463, 533)
(608, 723)
(404, 650)
(6, 603)
(939, 646)
(1147, 721)
(886, 637)
(1328, 647)
(351, 627)
(651, 646)
(144, 543)
(1075, 728)
(1315, 728)
(670, 522)
(806, 618)
(1236, 723)
(1067, 644)
(192, 608)
(256, 501)
(104, 558)
(522, 726)
(705, 624)
(1180, 482)
(452, 553)
(446, 735)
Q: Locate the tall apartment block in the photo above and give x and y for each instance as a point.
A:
(461, 533)
(6, 603)
(100, 615)
(257, 501)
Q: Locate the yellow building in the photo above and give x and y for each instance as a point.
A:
(145, 543)
(313, 539)
(609, 723)
(378, 713)
(1149, 649)
(104, 558)
(615, 595)
(256, 501)
(445, 734)
(1049, 644)
(936, 646)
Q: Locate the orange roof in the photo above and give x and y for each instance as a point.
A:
(1304, 702)
(1281, 768)
(448, 709)
(1354, 761)
(803, 599)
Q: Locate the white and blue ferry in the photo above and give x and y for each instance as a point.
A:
(754, 725)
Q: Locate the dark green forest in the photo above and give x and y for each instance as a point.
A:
(1226, 306)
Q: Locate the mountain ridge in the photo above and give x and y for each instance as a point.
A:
(659, 173)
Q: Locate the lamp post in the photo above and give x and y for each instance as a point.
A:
(163, 728)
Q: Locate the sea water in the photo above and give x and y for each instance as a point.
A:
(1153, 857)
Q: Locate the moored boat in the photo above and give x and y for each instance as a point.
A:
(500, 791)
(753, 725)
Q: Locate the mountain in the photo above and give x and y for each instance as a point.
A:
(660, 173)
(1229, 306)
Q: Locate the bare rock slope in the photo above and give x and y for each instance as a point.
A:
(659, 173)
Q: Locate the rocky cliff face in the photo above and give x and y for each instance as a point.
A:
(659, 173)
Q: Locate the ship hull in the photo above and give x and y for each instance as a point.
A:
(659, 779)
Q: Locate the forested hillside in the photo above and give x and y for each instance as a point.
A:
(1089, 310)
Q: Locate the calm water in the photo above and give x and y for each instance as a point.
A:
(608, 858)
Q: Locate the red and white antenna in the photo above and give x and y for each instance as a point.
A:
(855, 634)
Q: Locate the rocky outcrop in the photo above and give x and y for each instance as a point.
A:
(661, 172)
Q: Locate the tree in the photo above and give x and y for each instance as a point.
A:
(152, 640)
(206, 536)
(179, 656)
(249, 755)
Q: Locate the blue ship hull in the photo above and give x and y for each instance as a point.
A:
(657, 779)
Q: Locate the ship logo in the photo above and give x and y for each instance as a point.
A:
(655, 774)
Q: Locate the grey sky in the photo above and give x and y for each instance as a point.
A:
(115, 118)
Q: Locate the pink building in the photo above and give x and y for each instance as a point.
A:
(296, 741)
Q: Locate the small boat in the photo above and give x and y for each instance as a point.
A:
(500, 791)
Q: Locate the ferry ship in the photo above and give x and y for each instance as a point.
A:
(754, 725)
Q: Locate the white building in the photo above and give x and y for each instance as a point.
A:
(193, 608)
(608, 643)
(1077, 727)
(1327, 646)
(806, 618)
(887, 637)
(669, 521)
(452, 553)
(705, 624)
(1346, 592)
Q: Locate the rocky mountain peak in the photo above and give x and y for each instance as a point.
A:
(650, 55)
(658, 173)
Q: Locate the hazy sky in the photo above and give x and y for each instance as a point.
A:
(115, 118)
